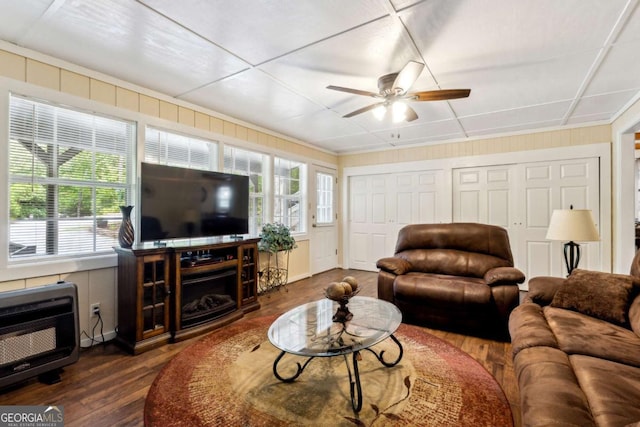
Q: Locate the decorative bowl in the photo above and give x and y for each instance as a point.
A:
(344, 298)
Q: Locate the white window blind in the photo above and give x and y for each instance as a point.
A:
(69, 172)
(289, 198)
(251, 164)
(173, 149)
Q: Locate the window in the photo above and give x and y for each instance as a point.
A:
(324, 198)
(251, 164)
(173, 149)
(69, 171)
(289, 201)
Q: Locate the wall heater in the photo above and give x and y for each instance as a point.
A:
(39, 332)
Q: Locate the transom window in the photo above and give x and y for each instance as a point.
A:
(69, 171)
(173, 149)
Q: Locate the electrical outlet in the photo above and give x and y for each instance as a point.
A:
(94, 309)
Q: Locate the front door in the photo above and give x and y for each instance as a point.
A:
(324, 233)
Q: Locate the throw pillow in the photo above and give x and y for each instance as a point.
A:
(598, 294)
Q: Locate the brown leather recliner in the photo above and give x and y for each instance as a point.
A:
(456, 276)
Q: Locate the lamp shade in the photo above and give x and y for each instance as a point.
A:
(575, 225)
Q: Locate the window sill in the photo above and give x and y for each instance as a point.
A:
(26, 269)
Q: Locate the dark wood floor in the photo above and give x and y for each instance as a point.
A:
(107, 387)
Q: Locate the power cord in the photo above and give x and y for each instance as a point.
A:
(94, 341)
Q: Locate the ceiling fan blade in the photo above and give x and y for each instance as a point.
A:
(354, 91)
(408, 76)
(439, 95)
(363, 110)
(410, 114)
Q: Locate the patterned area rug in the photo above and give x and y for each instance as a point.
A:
(226, 379)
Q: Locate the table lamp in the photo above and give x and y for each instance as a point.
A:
(571, 225)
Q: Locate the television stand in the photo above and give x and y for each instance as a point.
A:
(171, 293)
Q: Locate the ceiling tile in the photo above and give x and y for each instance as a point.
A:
(349, 143)
(508, 86)
(18, 17)
(258, 31)
(127, 40)
(602, 105)
(590, 118)
(255, 97)
(516, 128)
(508, 118)
(620, 70)
(482, 34)
(317, 126)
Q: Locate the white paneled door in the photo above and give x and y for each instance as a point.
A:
(521, 198)
(324, 242)
(379, 205)
(485, 195)
(555, 185)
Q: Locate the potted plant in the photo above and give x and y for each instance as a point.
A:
(274, 239)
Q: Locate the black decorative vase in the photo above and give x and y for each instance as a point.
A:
(125, 234)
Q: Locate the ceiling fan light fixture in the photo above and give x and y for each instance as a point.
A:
(393, 90)
(398, 111)
(379, 112)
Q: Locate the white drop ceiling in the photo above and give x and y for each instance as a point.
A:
(530, 64)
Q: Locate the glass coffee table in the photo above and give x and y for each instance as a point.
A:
(310, 331)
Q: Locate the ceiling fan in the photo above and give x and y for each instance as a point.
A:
(394, 91)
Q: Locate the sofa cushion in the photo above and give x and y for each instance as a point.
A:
(603, 295)
(581, 334)
(612, 389)
(549, 391)
(443, 290)
(529, 328)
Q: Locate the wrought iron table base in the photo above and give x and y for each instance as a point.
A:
(355, 387)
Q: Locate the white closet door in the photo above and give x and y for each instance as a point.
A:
(546, 186)
(486, 195)
(368, 220)
(415, 199)
(483, 194)
(521, 198)
(379, 205)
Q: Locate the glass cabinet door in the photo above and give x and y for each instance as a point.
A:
(155, 296)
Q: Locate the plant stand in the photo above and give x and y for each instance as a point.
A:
(274, 276)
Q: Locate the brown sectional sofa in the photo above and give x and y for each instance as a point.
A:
(576, 350)
(452, 276)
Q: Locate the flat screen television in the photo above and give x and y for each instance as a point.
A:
(187, 203)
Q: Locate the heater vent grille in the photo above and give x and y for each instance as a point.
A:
(17, 347)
